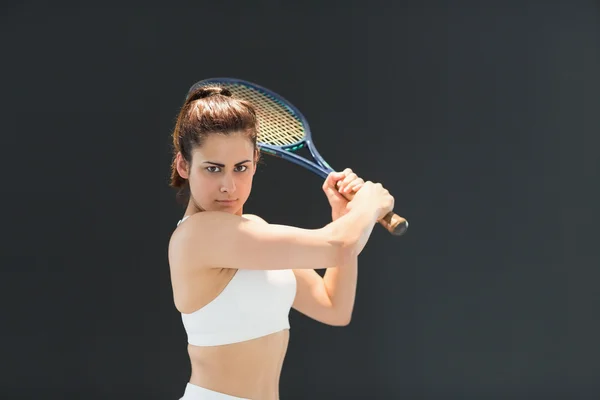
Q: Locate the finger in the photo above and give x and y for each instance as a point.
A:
(348, 182)
(340, 180)
(356, 181)
(347, 179)
(343, 174)
(332, 179)
(336, 175)
(330, 186)
(355, 186)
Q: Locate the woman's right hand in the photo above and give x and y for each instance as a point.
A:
(375, 197)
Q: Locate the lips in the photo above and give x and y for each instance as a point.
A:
(226, 201)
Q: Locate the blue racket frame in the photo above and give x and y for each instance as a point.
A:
(319, 167)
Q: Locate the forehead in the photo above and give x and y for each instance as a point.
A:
(225, 147)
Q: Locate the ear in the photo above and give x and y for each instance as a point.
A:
(182, 166)
(256, 159)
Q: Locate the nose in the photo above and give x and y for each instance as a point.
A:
(228, 184)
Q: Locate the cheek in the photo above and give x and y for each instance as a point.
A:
(245, 182)
(202, 184)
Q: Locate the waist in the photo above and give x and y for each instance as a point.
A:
(249, 369)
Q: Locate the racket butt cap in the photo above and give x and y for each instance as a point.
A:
(394, 224)
(400, 229)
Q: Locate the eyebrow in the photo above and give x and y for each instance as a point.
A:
(223, 165)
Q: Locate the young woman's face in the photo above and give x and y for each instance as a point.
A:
(221, 173)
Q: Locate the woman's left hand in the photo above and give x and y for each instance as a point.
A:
(347, 183)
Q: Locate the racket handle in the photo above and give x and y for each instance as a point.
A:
(395, 224)
(392, 222)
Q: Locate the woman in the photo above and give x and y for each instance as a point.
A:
(234, 276)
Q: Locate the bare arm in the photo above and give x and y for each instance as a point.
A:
(330, 299)
(221, 240)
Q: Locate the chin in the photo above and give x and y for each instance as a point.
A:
(232, 208)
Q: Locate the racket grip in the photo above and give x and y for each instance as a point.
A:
(395, 224)
(392, 222)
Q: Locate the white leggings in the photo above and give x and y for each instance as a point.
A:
(193, 392)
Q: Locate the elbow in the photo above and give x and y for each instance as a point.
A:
(338, 235)
(344, 323)
(343, 244)
(341, 322)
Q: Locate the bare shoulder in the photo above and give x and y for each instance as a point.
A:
(203, 239)
(204, 222)
(208, 223)
(253, 217)
(196, 229)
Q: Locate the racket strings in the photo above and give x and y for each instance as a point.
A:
(277, 124)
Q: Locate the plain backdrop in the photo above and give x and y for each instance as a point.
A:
(480, 117)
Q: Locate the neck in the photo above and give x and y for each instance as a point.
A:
(192, 208)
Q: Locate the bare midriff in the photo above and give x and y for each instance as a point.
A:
(249, 369)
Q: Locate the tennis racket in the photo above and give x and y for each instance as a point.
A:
(283, 131)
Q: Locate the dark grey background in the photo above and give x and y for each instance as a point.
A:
(481, 117)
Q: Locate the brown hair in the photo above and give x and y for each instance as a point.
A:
(209, 110)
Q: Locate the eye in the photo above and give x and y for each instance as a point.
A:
(213, 168)
(241, 168)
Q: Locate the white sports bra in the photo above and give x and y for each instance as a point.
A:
(254, 303)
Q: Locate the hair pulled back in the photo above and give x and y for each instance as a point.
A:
(209, 110)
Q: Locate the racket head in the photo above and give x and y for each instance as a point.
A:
(281, 125)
